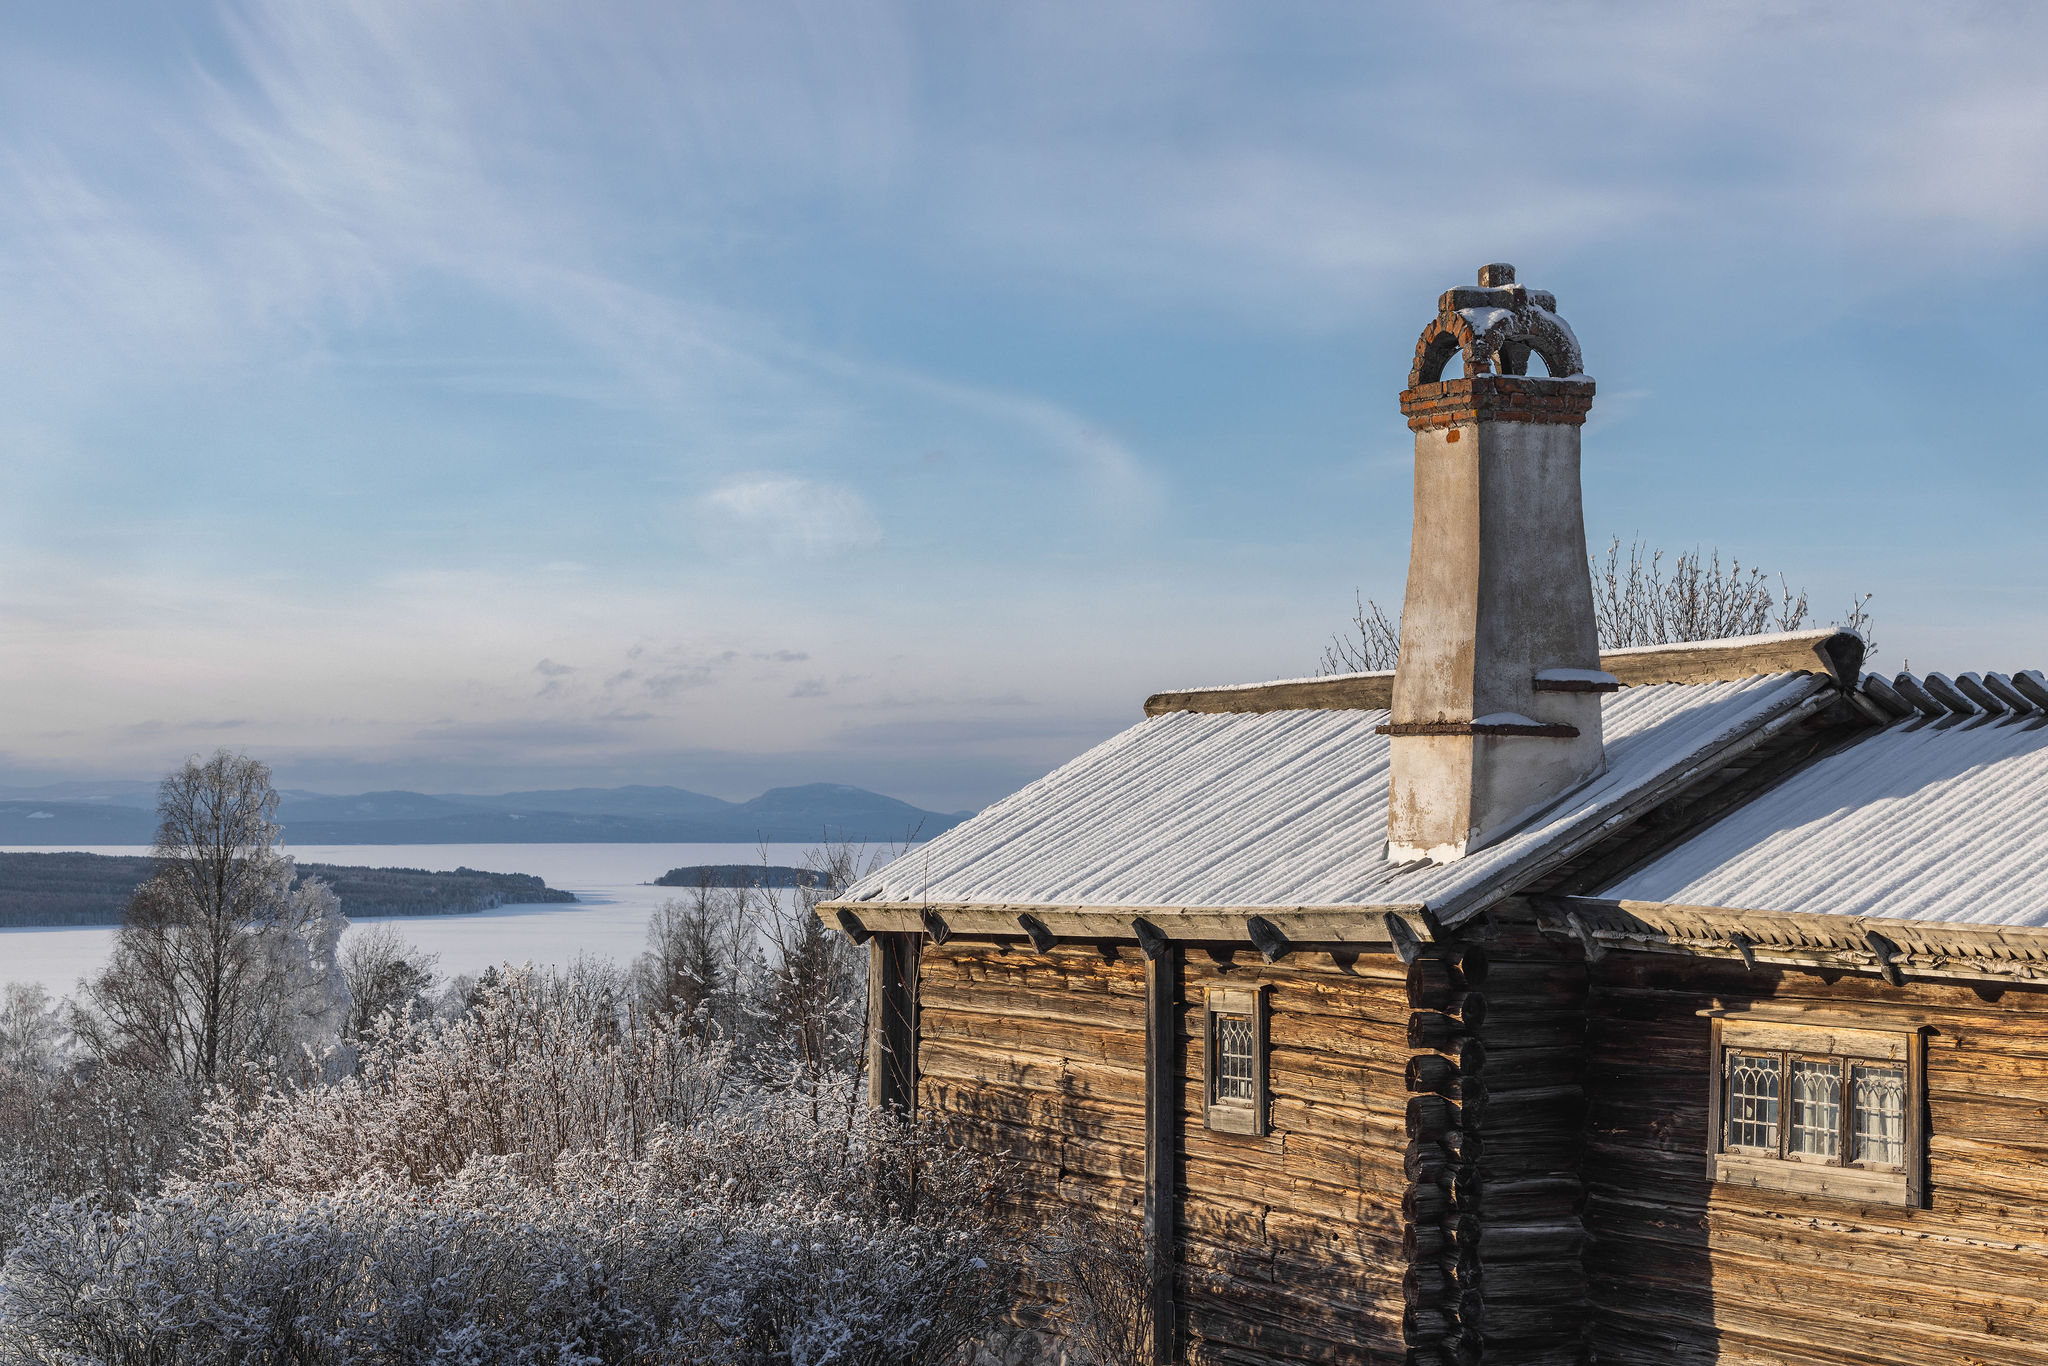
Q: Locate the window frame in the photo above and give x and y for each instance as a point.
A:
(1232, 1116)
(1843, 1042)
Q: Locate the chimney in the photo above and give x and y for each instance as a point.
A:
(1497, 695)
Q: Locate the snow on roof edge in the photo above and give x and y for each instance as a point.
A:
(1768, 638)
(1280, 682)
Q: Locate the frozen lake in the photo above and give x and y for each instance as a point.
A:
(608, 918)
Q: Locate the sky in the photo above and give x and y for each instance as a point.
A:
(477, 397)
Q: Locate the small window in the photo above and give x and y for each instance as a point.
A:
(1235, 1049)
(1817, 1108)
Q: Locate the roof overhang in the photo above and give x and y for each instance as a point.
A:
(1896, 950)
(1364, 928)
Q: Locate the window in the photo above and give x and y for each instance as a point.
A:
(1235, 1048)
(1803, 1104)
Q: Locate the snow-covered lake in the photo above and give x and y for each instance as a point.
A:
(608, 918)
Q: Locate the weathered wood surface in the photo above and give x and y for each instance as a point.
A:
(1016, 922)
(1920, 948)
(892, 1021)
(1291, 1245)
(1163, 1107)
(1832, 652)
(1346, 692)
(1041, 1057)
(1292, 1242)
(1527, 1300)
(1686, 1272)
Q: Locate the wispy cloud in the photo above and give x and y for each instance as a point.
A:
(778, 515)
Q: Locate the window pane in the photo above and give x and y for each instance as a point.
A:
(1752, 1091)
(1816, 1108)
(1234, 1059)
(1878, 1118)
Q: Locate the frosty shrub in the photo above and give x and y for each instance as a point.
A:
(538, 1066)
(1098, 1269)
(553, 1176)
(110, 1133)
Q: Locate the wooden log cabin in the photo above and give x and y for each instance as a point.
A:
(1527, 1004)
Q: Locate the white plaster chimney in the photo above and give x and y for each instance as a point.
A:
(1497, 695)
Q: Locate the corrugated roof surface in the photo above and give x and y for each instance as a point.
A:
(1284, 808)
(1924, 820)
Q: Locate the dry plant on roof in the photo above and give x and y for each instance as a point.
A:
(1371, 645)
(1635, 603)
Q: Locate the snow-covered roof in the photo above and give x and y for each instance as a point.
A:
(1923, 820)
(1287, 808)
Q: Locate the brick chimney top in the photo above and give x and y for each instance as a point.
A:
(1494, 276)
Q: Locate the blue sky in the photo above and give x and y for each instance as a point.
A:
(485, 396)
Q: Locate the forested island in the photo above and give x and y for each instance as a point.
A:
(739, 875)
(94, 889)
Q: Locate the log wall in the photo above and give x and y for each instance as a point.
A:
(1523, 1277)
(1293, 1247)
(1684, 1272)
(1041, 1058)
(1292, 1243)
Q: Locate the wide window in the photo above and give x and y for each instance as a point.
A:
(1803, 1104)
(1235, 1049)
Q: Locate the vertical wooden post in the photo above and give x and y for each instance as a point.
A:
(892, 1022)
(1162, 1141)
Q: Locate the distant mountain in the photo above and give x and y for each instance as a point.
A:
(307, 808)
(113, 792)
(604, 801)
(72, 824)
(75, 814)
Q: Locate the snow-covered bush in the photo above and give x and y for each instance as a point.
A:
(539, 1066)
(71, 1125)
(551, 1176)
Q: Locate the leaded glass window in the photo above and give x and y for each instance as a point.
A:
(1816, 1095)
(1819, 1105)
(1235, 1083)
(1878, 1128)
(1235, 1050)
(1752, 1100)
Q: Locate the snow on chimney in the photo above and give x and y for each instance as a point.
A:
(1496, 708)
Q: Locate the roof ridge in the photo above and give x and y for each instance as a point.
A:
(1833, 651)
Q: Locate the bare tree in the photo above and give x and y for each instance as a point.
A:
(219, 961)
(1372, 644)
(32, 1031)
(812, 991)
(386, 974)
(696, 955)
(1634, 603)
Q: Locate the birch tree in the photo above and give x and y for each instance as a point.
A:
(220, 961)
